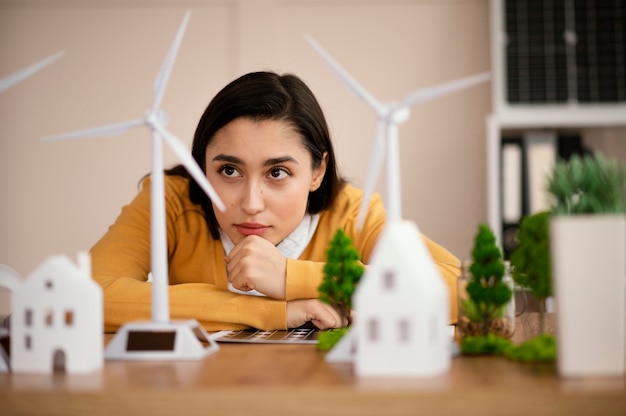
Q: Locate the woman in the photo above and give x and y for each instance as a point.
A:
(265, 147)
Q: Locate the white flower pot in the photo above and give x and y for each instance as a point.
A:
(589, 282)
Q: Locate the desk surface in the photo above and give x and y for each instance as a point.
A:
(243, 379)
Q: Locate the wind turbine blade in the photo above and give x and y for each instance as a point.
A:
(426, 94)
(190, 164)
(101, 131)
(9, 81)
(164, 73)
(378, 153)
(353, 86)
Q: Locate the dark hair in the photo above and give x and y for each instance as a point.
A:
(266, 96)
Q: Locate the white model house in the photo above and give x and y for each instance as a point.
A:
(402, 309)
(56, 319)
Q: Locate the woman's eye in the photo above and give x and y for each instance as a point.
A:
(278, 173)
(228, 171)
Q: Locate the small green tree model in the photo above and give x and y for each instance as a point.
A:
(531, 259)
(488, 294)
(342, 272)
(487, 291)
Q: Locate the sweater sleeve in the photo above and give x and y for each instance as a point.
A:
(121, 263)
(304, 277)
(127, 299)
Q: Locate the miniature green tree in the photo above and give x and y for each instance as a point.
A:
(342, 272)
(487, 291)
(488, 296)
(488, 288)
(531, 259)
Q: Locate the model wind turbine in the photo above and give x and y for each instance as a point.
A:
(160, 338)
(16, 77)
(402, 302)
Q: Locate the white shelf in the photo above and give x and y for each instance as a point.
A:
(562, 116)
(528, 117)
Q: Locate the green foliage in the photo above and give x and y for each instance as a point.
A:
(470, 310)
(541, 348)
(538, 349)
(531, 258)
(473, 313)
(487, 258)
(342, 272)
(485, 344)
(486, 289)
(327, 339)
(587, 185)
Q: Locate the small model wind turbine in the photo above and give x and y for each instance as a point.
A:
(14, 78)
(390, 115)
(402, 303)
(160, 338)
(5, 271)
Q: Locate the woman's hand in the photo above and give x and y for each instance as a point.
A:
(321, 314)
(255, 264)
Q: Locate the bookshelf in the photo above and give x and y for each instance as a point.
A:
(558, 68)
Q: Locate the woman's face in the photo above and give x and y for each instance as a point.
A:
(264, 174)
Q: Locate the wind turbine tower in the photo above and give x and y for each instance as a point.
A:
(402, 302)
(159, 338)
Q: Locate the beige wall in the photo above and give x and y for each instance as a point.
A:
(61, 197)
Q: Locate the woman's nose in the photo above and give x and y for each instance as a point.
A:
(252, 201)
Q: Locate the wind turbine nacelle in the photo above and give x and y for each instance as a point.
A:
(398, 115)
(160, 116)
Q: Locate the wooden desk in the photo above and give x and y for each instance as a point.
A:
(245, 379)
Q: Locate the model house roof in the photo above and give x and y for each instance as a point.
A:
(401, 265)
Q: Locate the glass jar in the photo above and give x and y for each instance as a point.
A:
(475, 322)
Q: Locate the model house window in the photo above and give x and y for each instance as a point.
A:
(28, 317)
(49, 284)
(372, 330)
(389, 279)
(403, 330)
(69, 318)
(49, 316)
(27, 342)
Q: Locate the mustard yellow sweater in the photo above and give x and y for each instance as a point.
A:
(197, 274)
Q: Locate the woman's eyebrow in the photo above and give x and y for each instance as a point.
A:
(227, 158)
(280, 160)
(269, 162)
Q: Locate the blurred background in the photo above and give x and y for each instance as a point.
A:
(59, 198)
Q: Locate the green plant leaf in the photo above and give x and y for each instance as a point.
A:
(342, 272)
(587, 185)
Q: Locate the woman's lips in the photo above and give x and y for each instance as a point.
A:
(251, 228)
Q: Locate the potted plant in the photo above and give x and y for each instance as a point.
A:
(531, 266)
(531, 260)
(587, 248)
(485, 295)
(490, 283)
